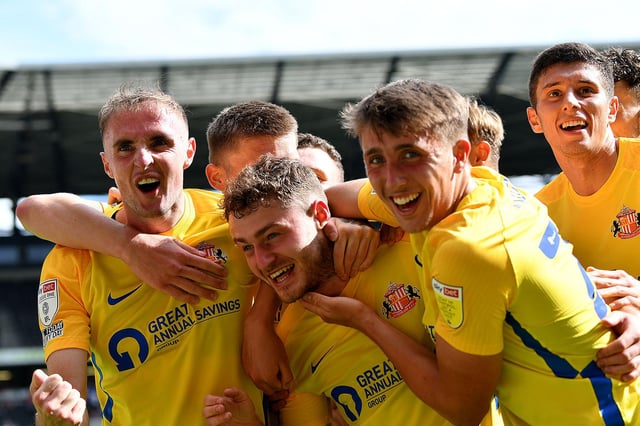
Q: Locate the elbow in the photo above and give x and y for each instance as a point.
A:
(25, 209)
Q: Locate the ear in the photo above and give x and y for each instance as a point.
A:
(321, 213)
(614, 104)
(216, 176)
(105, 165)
(461, 150)
(191, 152)
(534, 122)
(481, 150)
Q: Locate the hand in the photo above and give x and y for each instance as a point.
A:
(355, 246)
(621, 358)
(265, 360)
(617, 288)
(175, 268)
(233, 408)
(55, 400)
(390, 234)
(114, 196)
(341, 310)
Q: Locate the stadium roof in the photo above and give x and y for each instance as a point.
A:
(48, 114)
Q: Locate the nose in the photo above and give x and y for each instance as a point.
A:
(395, 175)
(143, 158)
(263, 257)
(571, 100)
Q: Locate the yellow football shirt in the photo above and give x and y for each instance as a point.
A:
(155, 358)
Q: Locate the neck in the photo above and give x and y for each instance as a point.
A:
(333, 286)
(589, 172)
(156, 224)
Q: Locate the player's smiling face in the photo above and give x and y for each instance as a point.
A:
(413, 176)
(146, 152)
(573, 109)
(284, 248)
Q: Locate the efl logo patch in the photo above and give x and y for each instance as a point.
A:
(212, 252)
(399, 299)
(449, 300)
(626, 224)
(48, 301)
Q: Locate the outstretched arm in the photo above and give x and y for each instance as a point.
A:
(162, 262)
(446, 381)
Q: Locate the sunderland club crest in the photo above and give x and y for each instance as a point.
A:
(626, 224)
(399, 299)
(212, 252)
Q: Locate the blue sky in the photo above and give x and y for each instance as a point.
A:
(87, 31)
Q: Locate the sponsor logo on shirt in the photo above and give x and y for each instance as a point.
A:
(626, 224)
(51, 332)
(449, 300)
(115, 300)
(314, 366)
(48, 301)
(399, 299)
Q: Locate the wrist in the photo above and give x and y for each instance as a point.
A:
(125, 243)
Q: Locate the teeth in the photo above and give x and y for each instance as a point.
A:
(275, 275)
(147, 181)
(574, 123)
(401, 201)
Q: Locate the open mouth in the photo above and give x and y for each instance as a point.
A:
(405, 202)
(574, 125)
(148, 184)
(281, 274)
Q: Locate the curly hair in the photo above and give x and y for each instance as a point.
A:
(283, 181)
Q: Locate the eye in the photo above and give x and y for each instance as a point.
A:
(124, 147)
(553, 93)
(271, 235)
(246, 247)
(587, 91)
(410, 154)
(159, 142)
(375, 159)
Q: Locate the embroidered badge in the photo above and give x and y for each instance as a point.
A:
(48, 301)
(626, 224)
(449, 300)
(399, 299)
(212, 252)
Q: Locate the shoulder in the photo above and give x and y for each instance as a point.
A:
(555, 189)
(629, 150)
(204, 199)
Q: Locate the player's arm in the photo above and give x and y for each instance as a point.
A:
(60, 397)
(343, 198)
(446, 381)
(263, 355)
(162, 262)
